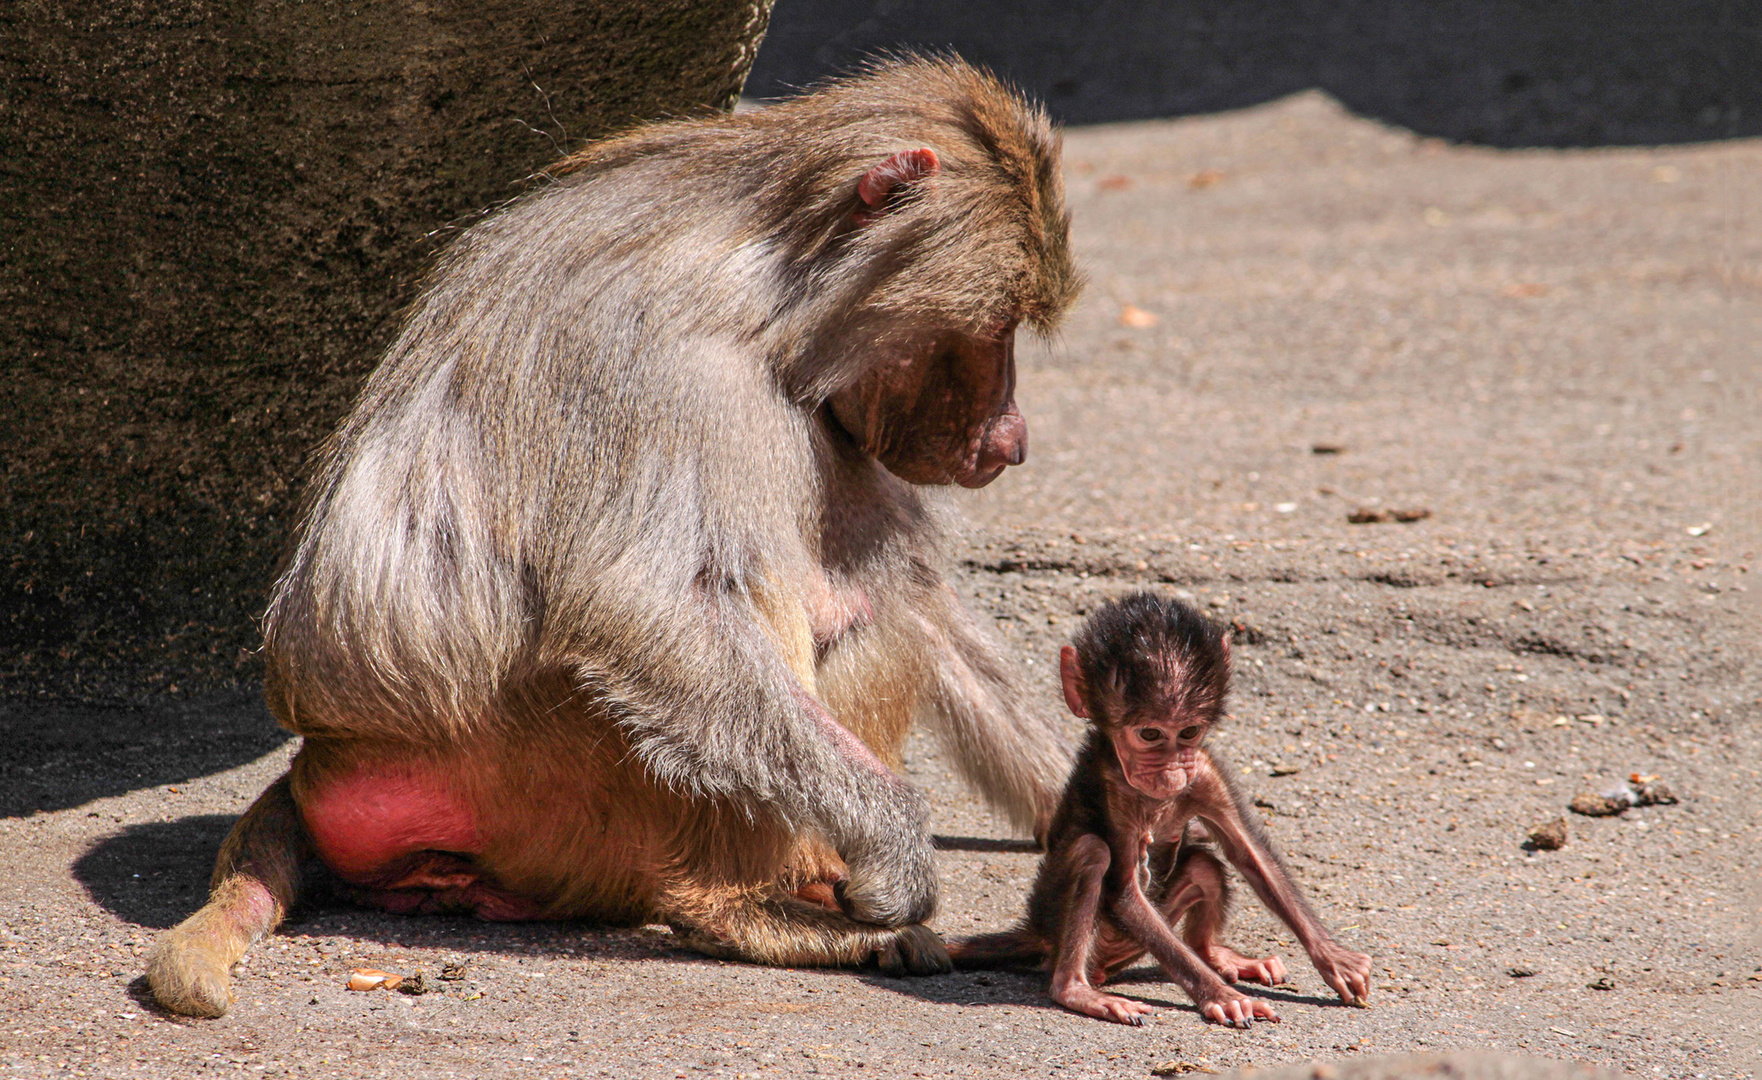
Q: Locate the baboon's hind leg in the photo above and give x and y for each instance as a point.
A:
(255, 879)
(784, 931)
(1187, 882)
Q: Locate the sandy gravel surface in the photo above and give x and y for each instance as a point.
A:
(1551, 352)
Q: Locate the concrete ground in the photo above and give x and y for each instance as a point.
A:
(1293, 314)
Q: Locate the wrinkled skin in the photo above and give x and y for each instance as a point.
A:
(943, 414)
(1160, 755)
(1158, 759)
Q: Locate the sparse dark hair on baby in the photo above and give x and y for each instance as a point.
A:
(1128, 650)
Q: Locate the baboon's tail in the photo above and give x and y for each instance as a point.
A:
(255, 882)
(1016, 948)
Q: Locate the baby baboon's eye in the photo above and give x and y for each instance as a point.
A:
(1190, 732)
(1150, 734)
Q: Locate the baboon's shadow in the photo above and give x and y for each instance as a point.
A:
(154, 874)
(56, 756)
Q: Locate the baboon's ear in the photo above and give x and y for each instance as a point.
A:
(1070, 676)
(903, 169)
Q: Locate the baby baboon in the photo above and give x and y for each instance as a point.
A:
(1121, 868)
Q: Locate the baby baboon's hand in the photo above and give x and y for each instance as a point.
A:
(1346, 971)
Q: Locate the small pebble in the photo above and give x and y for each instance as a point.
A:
(1137, 318)
(1655, 793)
(373, 979)
(1550, 835)
(1596, 805)
(1367, 515)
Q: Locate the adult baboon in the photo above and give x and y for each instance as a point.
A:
(617, 591)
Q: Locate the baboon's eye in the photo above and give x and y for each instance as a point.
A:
(1190, 733)
(1150, 734)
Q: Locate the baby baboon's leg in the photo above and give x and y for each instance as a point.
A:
(1198, 888)
(1085, 865)
(1188, 881)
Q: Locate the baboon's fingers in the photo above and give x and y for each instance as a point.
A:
(895, 890)
(710, 945)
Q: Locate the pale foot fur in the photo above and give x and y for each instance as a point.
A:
(786, 932)
(190, 967)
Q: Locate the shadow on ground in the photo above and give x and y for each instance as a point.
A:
(155, 874)
(983, 843)
(56, 756)
(1498, 72)
(1026, 988)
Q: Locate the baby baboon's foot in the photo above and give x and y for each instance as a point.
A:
(1232, 966)
(913, 950)
(191, 972)
(1234, 1009)
(1092, 1002)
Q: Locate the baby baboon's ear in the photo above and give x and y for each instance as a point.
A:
(1070, 673)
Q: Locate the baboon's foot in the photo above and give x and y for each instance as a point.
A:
(1232, 966)
(914, 950)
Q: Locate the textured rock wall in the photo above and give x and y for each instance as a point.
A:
(212, 212)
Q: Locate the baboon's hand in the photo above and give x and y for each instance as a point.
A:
(890, 884)
(1346, 971)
